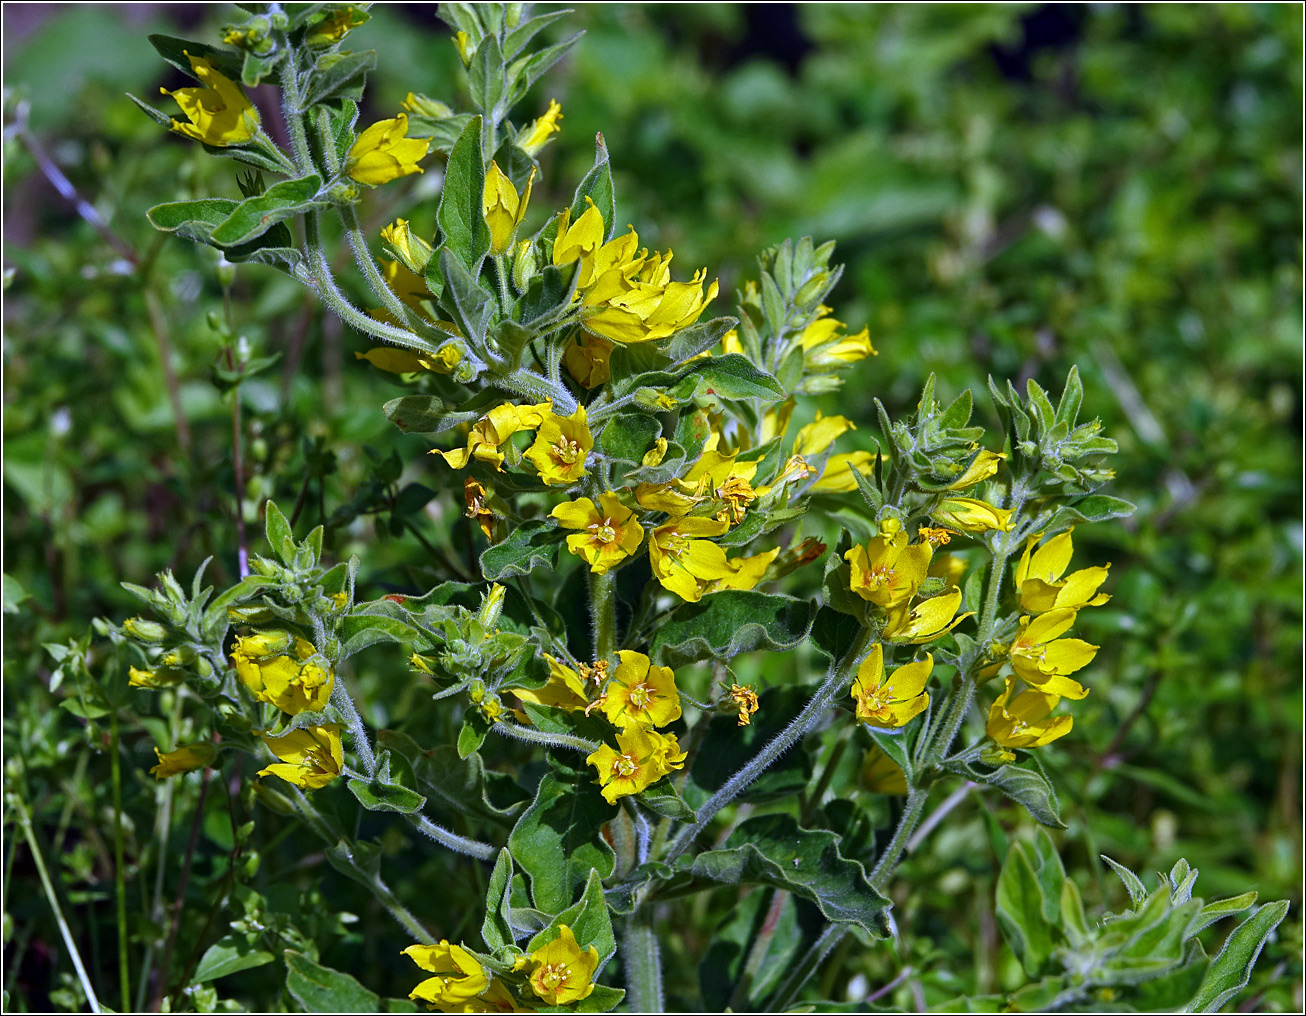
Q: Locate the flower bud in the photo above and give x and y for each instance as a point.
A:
(143, 630)
(492, 607)
(264, 643)
(424, 105)
(525, 265)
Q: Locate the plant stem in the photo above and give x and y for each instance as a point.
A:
(159, 327)
(603, 609)
(806, 967)
(459, 844)
(30, 834)
(837, 676)
(642, 960)
(888, 859)
(341, 699)
(540, 737)
(119, 876)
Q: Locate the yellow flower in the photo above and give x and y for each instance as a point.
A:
(891, 702)
(1039, 577)
(335, 26)
(824, 348)
(607, 538)
(655, 455)
(1025, 721)
(406, 361)
(641, 694)
(682, 561)
(424, 105)
(837, 476)
(882, 775)
(745, 572)
(561, 446)
(503, 207)
(643, 757)
(531, 139)
(745, 700)
(219, 113)
(285, 681)
(948, 567)
(928, 620)
(477, 509)
(565, 689)
(726, 479)
(459, 976)
(492, 430)
(665, 497)
(984, 465)
(579, 241)
(587, 358)
(183, 759)
(822, 432)
(887, 572)
(560, 972)
(412, 250)
(636, 301)
(1043, 660)
(158, 677)
(311, 757)
(971, 515)
(382, 152)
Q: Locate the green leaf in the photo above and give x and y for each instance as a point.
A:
(601, 999)
(174, 51)
(255, 216)
(1133, 884)
(834, 633)
(471, 735)
(320, 989)
(532, 68)
(589, 921)
(358, 631)
(557, 840)
(527, 547)
(455, 784)
(629, 436)
(773, 850)
(375, 795)
(472, 304)
(662, 798)
(597, 186)
(191, 220)
(723, 625)
(228, 956)
(1232, 967)
(281, 539)
(485, 79)
(496, 930)
(1217, 909)
(335, 72)
(699, 338)
(1026, 787)
(727, 377)
(1094, 508)
(461, 223)
(548, 296)
(424, 414)
(1019, 910)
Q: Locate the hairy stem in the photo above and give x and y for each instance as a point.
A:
(643, 962)
(911, 816)
(460, 844)
(838, 675)
(340, 698)
(540, 737)
(119, 875)
(603, 609)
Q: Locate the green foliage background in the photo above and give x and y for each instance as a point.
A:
(1014, 189)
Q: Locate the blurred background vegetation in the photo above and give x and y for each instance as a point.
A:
(1014, 189)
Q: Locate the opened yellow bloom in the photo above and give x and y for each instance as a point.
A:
(459, 976)
(541, 131)
(926, 621)
(284, 680)
(1025, 720)
(641, 758)
(609, 533)
(565, 690)
(1042, 659)
(818, 435)
(488, 435)
(561, 446)
(383, 152)
(971, 515)
(579, 241)
(636, 301)
(641, 694)
(1039, 574)
(887, 571)
(311, 757)
(725, 480)
(561, 973)
(983, 466)
(184, 759)
(219, 113)
(882, 775)
(890, 701)
(503, 207)
(666, 497)
(587, 360)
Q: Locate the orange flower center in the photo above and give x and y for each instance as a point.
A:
(604, 532)
(878, 576)
(553, 976)
(640, 696)
(624, 767)
(566, 452)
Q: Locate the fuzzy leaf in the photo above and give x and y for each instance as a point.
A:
(461, 222)
(733, 621)
(557, 840)
(336, 72)
(1232, 967)
(255, 216)
(228, 956)
(527, 547)
(320, 989)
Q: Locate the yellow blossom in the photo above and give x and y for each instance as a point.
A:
(882, 775)
(642, 757)
(561, 973)
(565, 690)
(533, 138)
(684, 562)
(1042, 659)
(971, 515)
(655, 455)
(335, 26)
(818, 435)
(609, 534)
(641, 694)
(727, 480)
(383, 153)
(561, 446)
(926, 621)
(1039, 573)
(183, 759)
(949, 567)
(636, 301)
(311, 757)
(587, 360)
(405, 361)
(837, 476)
(891, 701)
(579, 240)
(503, 207)
(1025, 720)
(219, 113)
(665, 497)
(477, 509)
(424, 105)
(286, 681)
(824, 347)
(745, 572)
(887, 571)
(157, 677)
(744, 699)
(492, 430)
(983, 466)
(411, 249)
(459, 976)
